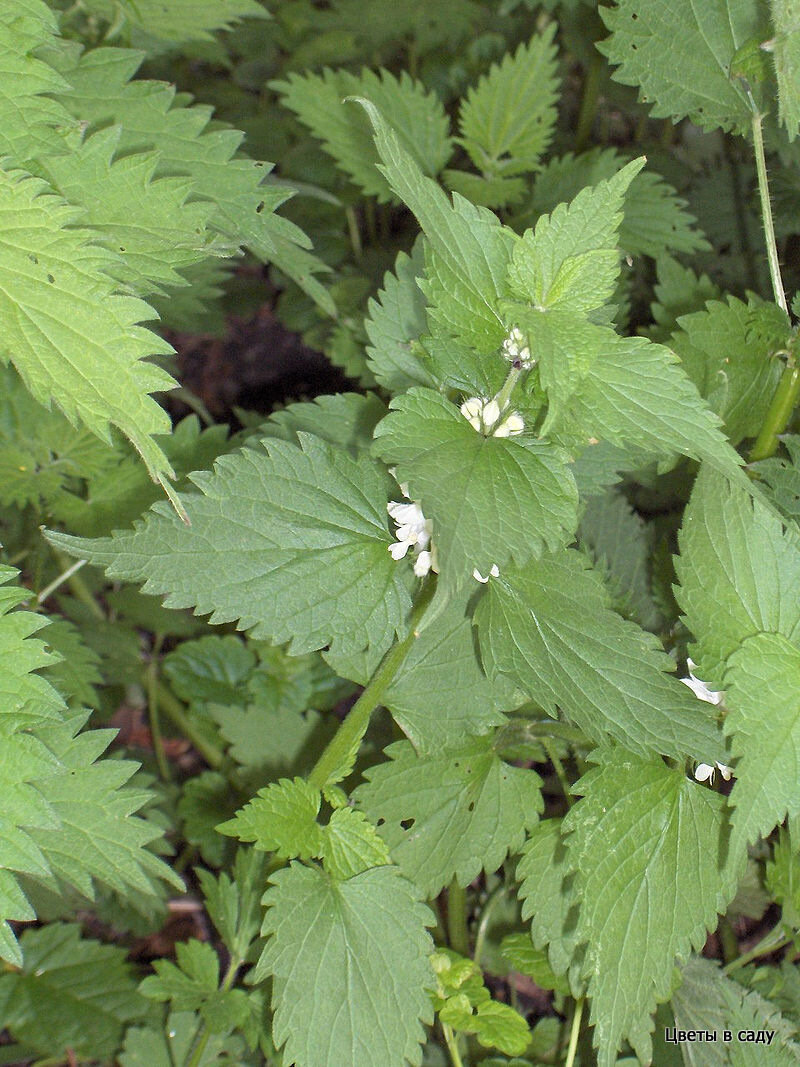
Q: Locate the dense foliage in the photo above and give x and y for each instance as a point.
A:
(461, 709)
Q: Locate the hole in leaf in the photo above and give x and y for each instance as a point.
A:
(260, 208)
(471, 806)
(50, 278)
(407, 823)
(380, 822)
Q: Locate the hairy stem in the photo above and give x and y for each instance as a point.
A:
(766, 210)
(507, 389)
(780, 411)
(574, 1034)
(457, 919)
(173, 708)
(337, 760)
(771, 942)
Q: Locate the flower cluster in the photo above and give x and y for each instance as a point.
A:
(516, 351)
(413, 531)
(485, 416)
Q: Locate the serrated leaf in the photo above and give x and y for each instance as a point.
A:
(782, 878)
(292, 541)
(494, 1024)
(76, 675)
(762, 681)
(782, 475)
(549, 900)
(654, 219)
(679, 53)
(420, 696)
(450, 814)
(395, 321)
(490, 499)
(642, 833)
(175, 1042)
(550, 628)
(74, 340)
(507, 120)
(233, 903)
(343, 419)
(785, 17)
(360, 943)
(207, 800)
(728, 350)
(620, 544)
(519, 952)
(416, 116)
(281, 818)
(493, 192)
(679, 291)
(70, 994)
(739, 573)
(188, 984)
(180, 20)
(469, 249)
(352, 845)
(570, 259)
(211, 668)
(101, 94)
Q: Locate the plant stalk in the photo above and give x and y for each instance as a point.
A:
(337, 760)
(151, 687)
(452, 1046)
(574, 1033)
(174, 710)
(766, 209)
(457, 933)
(780, 411)
(771, 942)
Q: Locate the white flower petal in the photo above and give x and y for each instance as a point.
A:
(399, 549)
(491, 413)
(422, 564)
(726, 772)
(704, 772)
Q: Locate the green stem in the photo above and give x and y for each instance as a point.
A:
(766, 209)
(355, 234)
(727, 938)
(174, 710)
(197, 1054)
(574, 1034)
(780, 411)
(64, 577)
(504, 395)
(485, 919)
(452, 1046)
(151, 687)
(457, 919)
(774, 940)
(79, 588)
(337, 760)
(591, 91)
(558, 767)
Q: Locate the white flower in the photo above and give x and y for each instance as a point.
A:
(484, 416)
(493, 573)
(413, 531)
(516, 351)
(704, 772)
(700, 689)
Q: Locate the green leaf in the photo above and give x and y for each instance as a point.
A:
(654, 218)
(352, 845)
(210, 668)
(360, 943)
(291, 541)
(464, 1003)
(151, 117)
(77, 673)
(728, 351)
(452, 813)
(233, 903)
(207, 800)
(550, 628)
(343, 419)
(73, 339)
(679, 291)
(417, 117)
(570, 260)
(620, 545)
(281, 818)
(490, 499)
(785, 17)
(642, 833)
(782, 878)
(782, 475)
(69, 994)
(175, 1042)
(469, 249)
(507, 120)
(180, 20)
(739, 573)
(678, 54)
(420, 696)
(761, 681)
(394, 323)
(521, 955)
(550, 900)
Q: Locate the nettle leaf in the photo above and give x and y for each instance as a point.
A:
(762, 684)
(417, 117)
(678, 291)
(352, 845)
(450, 814)
(207, 800)
(518, 951)
(147, 222)
(395, 321)
(678, 54)
(176, 1041)
(74, 340)
(782, 475)
(33, 123)
(550, 628)
(620, 544)
(645, 843)
(234, 903)
(347, 420)
(180, 20)
(654, 217)
(350, 966)
(154, 118)
(469, 249)
(490, 499)
(464, 1003)
(281, 818)
(786, 53)
(549, 900)
(420, 696)
(69, 994)
(292, 541)
(739, 573)
(706, 999)
(507, 120)
(726, 350)
(570, 259)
